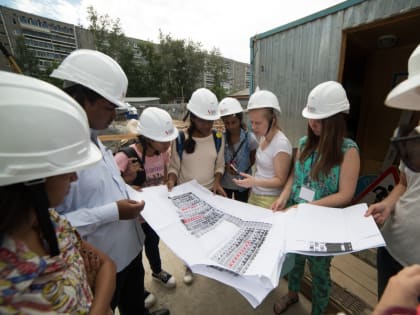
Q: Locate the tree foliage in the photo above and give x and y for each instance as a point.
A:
(215, 66)
(181, 65)
(109, 38)
(29, 63)
(170, 70)
(26, 58)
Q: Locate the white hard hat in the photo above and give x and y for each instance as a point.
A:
(156, 124)
(95, 71)
(406, 95)
(203, 104)
(229, 106)
(325, 100)
(263, 99)
(43, 131)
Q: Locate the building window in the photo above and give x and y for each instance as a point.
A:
(14, 21)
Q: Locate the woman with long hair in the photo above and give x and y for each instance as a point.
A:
(45, 265)
(325, 174)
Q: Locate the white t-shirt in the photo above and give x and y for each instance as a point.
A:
(402, 230)
(265, 162)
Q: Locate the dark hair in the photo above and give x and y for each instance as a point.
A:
(81, 93)
(15, 207)
(243, 126)
(143, 141)
(16, 203)
(189, 144)
(328, 145)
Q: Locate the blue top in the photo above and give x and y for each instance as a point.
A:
(241, 160)
(91, 207)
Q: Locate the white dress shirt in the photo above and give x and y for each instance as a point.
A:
(91, 208)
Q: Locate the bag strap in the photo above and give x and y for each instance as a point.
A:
(240, 146)
(180, 140)
(217, 140)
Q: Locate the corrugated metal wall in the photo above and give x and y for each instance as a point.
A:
(292, 61)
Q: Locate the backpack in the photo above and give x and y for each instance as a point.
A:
(180, 140)
(141, 175)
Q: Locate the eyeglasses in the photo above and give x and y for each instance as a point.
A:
(409, 149)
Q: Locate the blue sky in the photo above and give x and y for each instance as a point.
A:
(226, 25)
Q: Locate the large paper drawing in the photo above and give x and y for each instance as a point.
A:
(245, 246)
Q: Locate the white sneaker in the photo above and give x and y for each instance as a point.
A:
(189, 276)
(149, 299)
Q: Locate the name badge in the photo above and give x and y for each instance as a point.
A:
(306, 194)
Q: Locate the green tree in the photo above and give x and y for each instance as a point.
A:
(170, 70)
(26, 58)
(149, 77)
(29, 63)
(215, 66)
(180, 67)
(110, 39)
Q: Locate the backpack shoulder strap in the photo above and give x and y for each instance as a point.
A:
(130, 152)
(217, 140)
(180, 144)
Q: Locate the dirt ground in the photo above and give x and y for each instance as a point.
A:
(209, 297)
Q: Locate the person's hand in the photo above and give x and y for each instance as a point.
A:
(218, 189)
(170, 184)
(129, 209)
(138, 188)
(247, 180)
(380, 212)
(401, 292)
(279, 204)
(133, 166)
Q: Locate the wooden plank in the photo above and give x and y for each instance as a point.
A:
(358, 270)
(356, 277)
(117, 137)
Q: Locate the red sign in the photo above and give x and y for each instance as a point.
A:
(380, 188)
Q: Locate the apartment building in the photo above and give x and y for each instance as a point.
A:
(50, 40)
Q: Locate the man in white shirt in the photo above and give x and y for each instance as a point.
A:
(98, 204)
